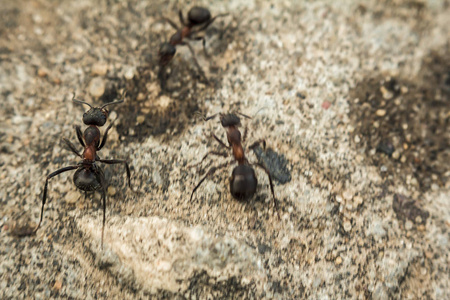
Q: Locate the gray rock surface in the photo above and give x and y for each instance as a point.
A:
(325, 83)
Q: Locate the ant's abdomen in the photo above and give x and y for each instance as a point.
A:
(243, 182)
(86, 180)
(198, 15)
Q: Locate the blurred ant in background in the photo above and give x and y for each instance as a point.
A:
(243, 181)
(199, 19)
(88, 176)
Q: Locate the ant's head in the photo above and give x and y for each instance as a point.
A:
(166, 53)
(228, 120)
(198, 15)
(243, 182)
(96, 115)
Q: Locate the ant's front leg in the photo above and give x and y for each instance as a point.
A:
(106, 135)
(220, 141)
(80, 135)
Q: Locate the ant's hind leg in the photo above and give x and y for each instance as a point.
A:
(101, 179)
(194, 59)
(44, 198)
(275, 202)
(119, 161)
(210, 173)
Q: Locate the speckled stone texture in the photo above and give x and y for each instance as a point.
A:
(354, 94)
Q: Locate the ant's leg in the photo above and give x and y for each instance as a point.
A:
(201, 38)
(275, 202)
(210, 173)
(204, 157)
(118, 161)
(245, 116)
(172, 23)
(257, 143)
(101, 178)
(245, 133)
(195, 60)
(210, 117)
(79, 135)
(180, 15)
(219, 141)
(106, 135)
(44, 198)
(71, 147)
(162, 76)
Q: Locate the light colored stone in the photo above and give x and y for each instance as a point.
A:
(111, 190)
(155, 253)
(72, 196)
(97, 87)
(99, 69)
(380, 112)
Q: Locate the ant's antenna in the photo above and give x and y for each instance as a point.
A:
(79, 101)
(116, 102)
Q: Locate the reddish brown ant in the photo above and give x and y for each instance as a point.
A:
(88, 176)
(243, 181)
(198, 17)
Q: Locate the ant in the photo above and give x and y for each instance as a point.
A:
(88, 176)
(197, 16)
(243, 181)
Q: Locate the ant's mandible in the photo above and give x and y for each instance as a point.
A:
(89, 176)
(198, 17)
(243, 181)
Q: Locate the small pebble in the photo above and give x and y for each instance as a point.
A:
(72, 197)
(396, 154)
(326, 104)
(58, 285)
(97, 87)
(347, 195)
(129, 74)
(408, 225)
(347, 226)
(358, 200)
(381, 112)
(383, 168)
(111, 190)
(140, 119)
(404, 89)
(386, 93)
(99, 69)
(357, 139)
(42, 72)
(338, 260)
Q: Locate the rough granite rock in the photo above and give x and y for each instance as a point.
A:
(354, 94)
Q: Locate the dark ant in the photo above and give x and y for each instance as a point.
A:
(197, 16)
(243, 181)
(88, 176)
